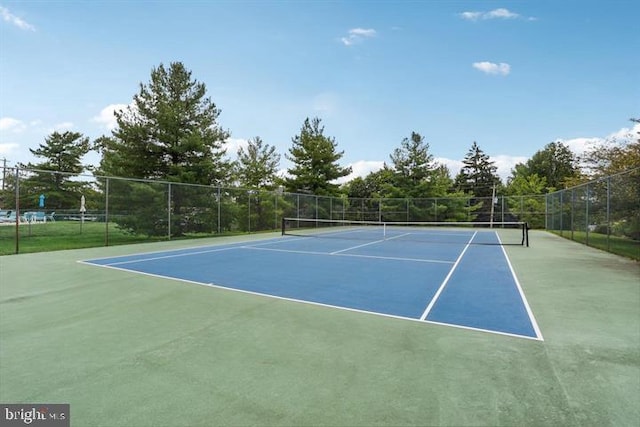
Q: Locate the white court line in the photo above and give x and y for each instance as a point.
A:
(319, 304)
(349, 255)
(370, 243)
(219, 248)
(536, 328)
(164, 251)
(446, 279)
(168, 256)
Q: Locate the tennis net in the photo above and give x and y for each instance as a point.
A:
(479, 233)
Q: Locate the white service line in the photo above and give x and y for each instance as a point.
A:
(446, 279)
(436, 261)
(367, 244)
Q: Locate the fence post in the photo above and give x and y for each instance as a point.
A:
(407, 206)
(218, 202)
(106, 213)
(169, 211)
(17, 209)
(562, 213)
(608, 213)
(586, 216)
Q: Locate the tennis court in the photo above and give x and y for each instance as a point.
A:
(375, 327)
(440, 274)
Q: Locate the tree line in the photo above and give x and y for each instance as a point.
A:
(171, 132)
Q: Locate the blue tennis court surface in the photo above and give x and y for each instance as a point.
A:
(466, 281)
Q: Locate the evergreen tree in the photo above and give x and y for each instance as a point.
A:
(257, 166)
(256, 170)
(170, 133)
(414, 167)
(478, 178)
(62, 154)
(315, 161)
(478, 175)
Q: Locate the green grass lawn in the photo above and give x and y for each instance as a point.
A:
(617, 245)
(59, 235)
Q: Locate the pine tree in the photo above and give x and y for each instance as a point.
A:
(315, 161)
(170, 133)
(478, 175)
(62, 154)
(257, 166)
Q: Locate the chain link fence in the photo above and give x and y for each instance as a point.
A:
(43, 210)
(604, 213)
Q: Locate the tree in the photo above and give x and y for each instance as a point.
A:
(170, 133)
(256, 170)
(618, 156)
(315, 161)
(619, 162)
(556, 163)
(478, 175)
(371, 186)
(526, 200)
(63, 154)
(416, 173)
(257, 166)
(478, 178)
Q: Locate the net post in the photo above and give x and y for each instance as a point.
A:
(525, 231)
(283, 226)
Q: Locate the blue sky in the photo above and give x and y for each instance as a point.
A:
(511, 75)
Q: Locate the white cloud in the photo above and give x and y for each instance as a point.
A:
(499, 13)
(626, 134)
(502, 68)
(9, 124)
(233, 145)
(454, 166)
(8, 147)
(581, 145)
(325, 103)
(471, 16)
(357, 35)
(361, 168)
(64, 126)
(505, 163)
(106, 118)
(15, 20)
